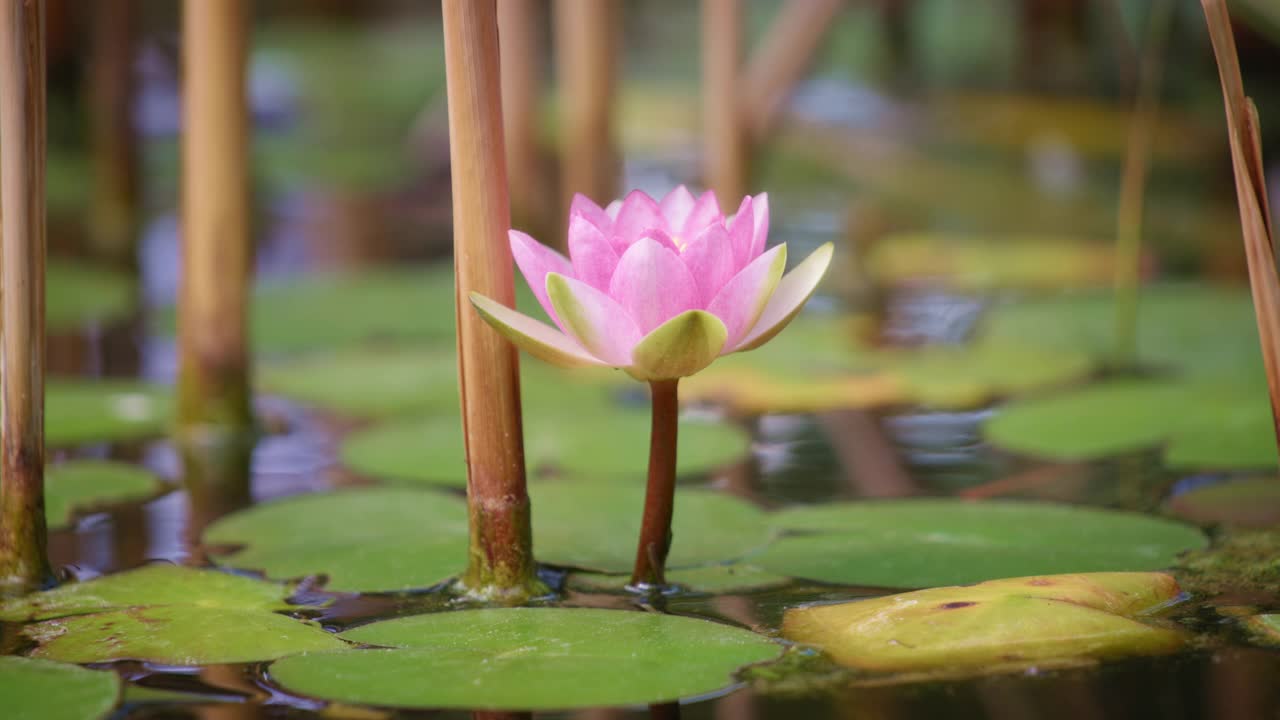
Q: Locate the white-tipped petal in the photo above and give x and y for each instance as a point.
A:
(793, 290)
(536, 338)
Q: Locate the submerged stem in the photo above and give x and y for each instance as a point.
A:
(659, 497)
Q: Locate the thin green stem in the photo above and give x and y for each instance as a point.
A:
(659, 498)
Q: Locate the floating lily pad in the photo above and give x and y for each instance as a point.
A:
(993, 625)
(383, 382)
(821, 367)
(81, 295)
(924, 543)
(981, 263)
(713, 579)
(156, 584)
(77, 486)
(594, 526)
(1200, 423)
(371, 540)
(580, 440)
(328, 310)
(44, 690)
(82, 411)
(176, 635)
(163, 614)
(1246, 502)
(1266, 628)
(527, 659)
(1199, 329)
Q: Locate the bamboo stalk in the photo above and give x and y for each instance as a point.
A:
(586, 41)
(115, 197)
(520, 49)
(501, 564)
(24, 563)
(724, 133)
(785, 53)
(1251, 193)
(659, 497)
(217, 247)
(1133, 184)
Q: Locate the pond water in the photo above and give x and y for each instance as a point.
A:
(794, 459)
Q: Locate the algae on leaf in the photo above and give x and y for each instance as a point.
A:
(527, 659)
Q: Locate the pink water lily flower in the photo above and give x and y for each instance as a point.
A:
(658, 289)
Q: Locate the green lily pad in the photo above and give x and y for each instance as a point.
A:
(527, 659)
(383, 382)
(44, 690)
(1199, 423)
(1246, 502)
(176, 635)
(1266, 628)
(385, 305)
(713, 579)
(924, 543)
(588, 440)
(163, 614)
(984, 263)
(78, 486)
(371, 540)
(83, 411)
(994, 625)
(1198, 329)
(156, 584)
(80, 295)
(594, 526)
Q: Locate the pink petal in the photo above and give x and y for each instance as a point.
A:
(535, 260)
(741, 233)
(661, 238)
(586, 207)
(638, 214)
(612, 210)
(652, 284)
(793, 290)
(741, 301)
(710, 260)
(591, 252)
(760, 208)
(676, 207)
(594, 320)
(705, 212)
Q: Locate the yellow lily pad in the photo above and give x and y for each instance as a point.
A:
(996, 624)
(991, 262)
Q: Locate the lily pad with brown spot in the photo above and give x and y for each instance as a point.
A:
(164, 614)
(994, 625)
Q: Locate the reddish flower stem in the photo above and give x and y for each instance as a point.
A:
(659, 498)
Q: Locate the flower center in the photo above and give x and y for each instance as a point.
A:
(679, 242)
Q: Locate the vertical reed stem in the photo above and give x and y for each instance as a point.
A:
(501, 562)
(1251, 194)
(587, 38)
(785, 53)
(723, 130)
(1133, 184)
(217, 247)
(24, 564)
(520, 50)
(113, 142)
(659, 497)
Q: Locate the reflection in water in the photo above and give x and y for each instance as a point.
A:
(217, 480)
